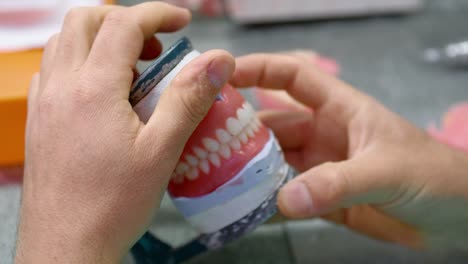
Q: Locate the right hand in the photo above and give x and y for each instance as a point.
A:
(94, 172)
(362, 165)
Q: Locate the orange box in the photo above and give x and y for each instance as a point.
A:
(16, 70)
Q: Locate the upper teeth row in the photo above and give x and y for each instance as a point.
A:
(237, 132)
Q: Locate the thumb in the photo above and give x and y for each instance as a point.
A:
(187, 100)
(333, 185)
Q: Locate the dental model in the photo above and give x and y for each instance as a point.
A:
(228, 175)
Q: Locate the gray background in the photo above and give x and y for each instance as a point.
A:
(380, 56)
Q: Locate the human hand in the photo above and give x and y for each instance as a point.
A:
(280, 99)
(362, 165)
(94, 173)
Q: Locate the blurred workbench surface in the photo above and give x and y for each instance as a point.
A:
(382, 57)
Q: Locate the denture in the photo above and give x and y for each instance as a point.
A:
(229, 137)
(231, 168)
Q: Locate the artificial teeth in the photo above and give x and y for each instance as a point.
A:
(250, 110)
(182, 168)
(243, 116)
(192, 160)
(223, 136)
(211, 144)
(256, 124)
(235, 144)
(201, 154)
(214, 158)
(205, 166)
(233, 126)
(192, 174)
(237, 132)
(249, 131)
(243, 137)
(225, 152)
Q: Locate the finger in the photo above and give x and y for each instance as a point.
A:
(48, 59)
(305, 83)
(290, 128)
(136, 75)
(151, 49)
(376, 224)
(78, 32)
(334, 185)
(119, 42)
(295, 158)
(186, 101)
(327, 65)
(32, 107)
(278, 100)
(33, 92)
(305, 55)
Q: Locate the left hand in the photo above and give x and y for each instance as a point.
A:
(94, 173)
(362, 165)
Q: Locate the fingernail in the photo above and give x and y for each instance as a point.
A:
(219, 72)
(328, 65)
(296, 199)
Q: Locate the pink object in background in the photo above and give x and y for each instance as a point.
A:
(26, 12)
(454, 130)
(209, 8)
(24, 17)
(212, 7)
(11, 175)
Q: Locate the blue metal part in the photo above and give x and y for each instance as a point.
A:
(159, 69)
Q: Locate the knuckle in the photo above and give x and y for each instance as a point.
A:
(52, 41)
(303, 55)
(194, 109)
(336, 181)
(120, 19)
(76, 14)
(341, 182)
(289, 58)
(116, 17)
(82, 94)
(75, 19)
(46, 102)
(193, 98)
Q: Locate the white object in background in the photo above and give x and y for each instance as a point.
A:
(24, 4)
(26, 24)
(265, 11)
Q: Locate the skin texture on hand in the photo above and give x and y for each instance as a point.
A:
(362, 165)
(94, 173)
(281, 100)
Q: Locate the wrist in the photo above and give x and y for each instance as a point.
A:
(58, 250)
(50, 242)
(454, 170)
